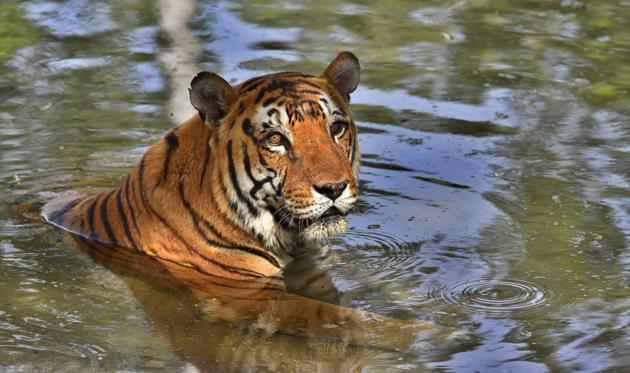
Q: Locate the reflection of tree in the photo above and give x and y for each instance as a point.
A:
(382, 29)
(451, 49)
(179, 59)
(15, 31)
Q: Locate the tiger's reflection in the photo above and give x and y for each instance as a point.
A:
(227, 325)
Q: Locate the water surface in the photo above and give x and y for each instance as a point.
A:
(495, 180)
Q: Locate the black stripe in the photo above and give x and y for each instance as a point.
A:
(214, 199)
(299, 117)
(205, 162)
(262, 159)
(105, 219)
(234, 179)
(310, 91)
(351, 145)
(231, 203)
(132, 212)
(241, 109)
(57, 216)
(232, 206)
(251, 250)
(172, 144)
(317, 86)
(252, 84)
(261, 94)
(91, 228)
(197, 219)
(82, 225)
(285, 85)
(269, 101)
(247, 127)
(143, 198)
(123, 219)
(314, 108)
(257, 184)
(325, 102)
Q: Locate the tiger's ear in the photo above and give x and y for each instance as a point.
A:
(344, 73)
(211, 95)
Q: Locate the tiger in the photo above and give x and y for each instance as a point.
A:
(264, 172)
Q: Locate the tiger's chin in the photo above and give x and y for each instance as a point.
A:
(320, 230)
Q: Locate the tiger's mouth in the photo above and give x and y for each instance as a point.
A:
(331, 212)
(331, 216)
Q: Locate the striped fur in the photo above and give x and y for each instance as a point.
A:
(264, 173)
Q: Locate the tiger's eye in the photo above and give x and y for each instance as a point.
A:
(275, 139)
(336, 128)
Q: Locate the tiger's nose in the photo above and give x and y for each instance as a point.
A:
(332, 190)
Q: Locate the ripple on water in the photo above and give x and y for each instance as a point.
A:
(383, 256)
(498, 297)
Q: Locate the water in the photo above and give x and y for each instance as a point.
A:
(495, 180)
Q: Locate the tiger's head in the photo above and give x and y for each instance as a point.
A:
(288, 150)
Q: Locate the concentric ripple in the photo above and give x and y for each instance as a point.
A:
(381, 255)
(388, 243)
(499, 296)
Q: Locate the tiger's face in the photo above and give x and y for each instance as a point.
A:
(302, 143)
(291, 155)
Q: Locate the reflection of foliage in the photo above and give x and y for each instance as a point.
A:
(382, 27)
(15, 30)
(429, 47)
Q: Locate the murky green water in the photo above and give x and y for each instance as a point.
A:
(495, 181)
